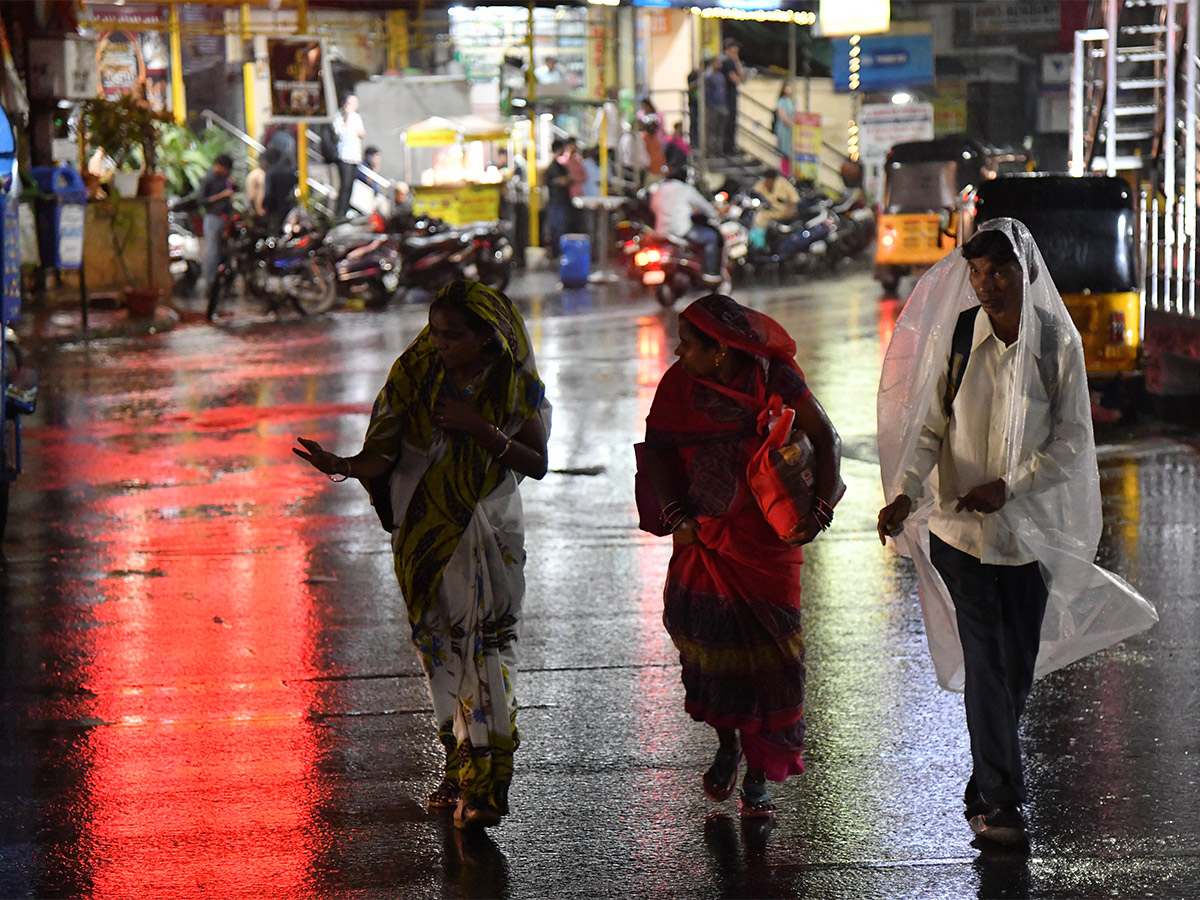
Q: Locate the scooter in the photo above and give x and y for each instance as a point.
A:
(672, 266)
(183, 248)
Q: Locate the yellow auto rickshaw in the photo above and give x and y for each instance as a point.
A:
(1084, 227)
(923, 185)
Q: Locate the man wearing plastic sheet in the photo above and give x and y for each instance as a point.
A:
(989, 464)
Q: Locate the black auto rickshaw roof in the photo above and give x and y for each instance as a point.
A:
(1083, 226)
(1043, 190)
(956, 148)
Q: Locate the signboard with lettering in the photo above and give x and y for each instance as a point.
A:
(62, 68)
(883, 125)
(884, 61)
(1039, 16)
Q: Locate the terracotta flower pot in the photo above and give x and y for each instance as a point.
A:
(142, 302)
(151, 184)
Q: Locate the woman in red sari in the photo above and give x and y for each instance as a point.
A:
(732, 597)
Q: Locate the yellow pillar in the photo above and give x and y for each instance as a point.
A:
(535, 202)
(302, 159)
(397, 38)
(302, 127)
(178, 97)
(248, 73)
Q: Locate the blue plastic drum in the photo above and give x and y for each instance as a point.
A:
(576, 259)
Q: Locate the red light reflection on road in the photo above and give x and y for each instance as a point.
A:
(200, 655)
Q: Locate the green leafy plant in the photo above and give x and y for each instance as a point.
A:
(184, 157)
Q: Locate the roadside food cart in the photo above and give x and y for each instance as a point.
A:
(446, 166)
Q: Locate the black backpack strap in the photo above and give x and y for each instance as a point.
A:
(960, 352)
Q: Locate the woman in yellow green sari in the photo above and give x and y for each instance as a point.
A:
(462, 417)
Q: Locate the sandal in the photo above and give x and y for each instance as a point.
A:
(445, 795)
(721, 777)
(500, 797)
(475, 812)
(754, 801)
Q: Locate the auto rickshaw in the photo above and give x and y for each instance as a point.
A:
(1084, 227)
(923, 185)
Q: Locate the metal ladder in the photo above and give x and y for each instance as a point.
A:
(1134, 107)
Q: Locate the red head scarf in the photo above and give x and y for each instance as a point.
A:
(742, 328)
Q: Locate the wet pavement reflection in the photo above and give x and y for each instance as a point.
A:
(208, 690)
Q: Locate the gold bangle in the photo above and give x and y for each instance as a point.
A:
(507, 445)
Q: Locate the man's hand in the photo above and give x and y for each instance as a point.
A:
(892, 516)
(985, 498)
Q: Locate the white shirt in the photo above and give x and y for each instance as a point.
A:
(673, 202)
(972, 448)
(349, 130)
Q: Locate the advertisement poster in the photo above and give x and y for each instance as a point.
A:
(131, 61)
(301, 83)
(808, 145)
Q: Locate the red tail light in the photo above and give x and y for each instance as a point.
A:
(645, 258)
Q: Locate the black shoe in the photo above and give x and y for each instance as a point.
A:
(1003, 825)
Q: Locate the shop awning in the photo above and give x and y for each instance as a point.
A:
(439, 131)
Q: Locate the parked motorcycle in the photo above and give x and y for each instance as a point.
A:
(371, 271)
(493, 254)
(294, 266)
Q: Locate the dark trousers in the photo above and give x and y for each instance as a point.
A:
(999, 611)
(558, 219)
(348, 172)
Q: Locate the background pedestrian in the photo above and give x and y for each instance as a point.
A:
(349, 129)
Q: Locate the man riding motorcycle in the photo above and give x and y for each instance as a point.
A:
(674, 202)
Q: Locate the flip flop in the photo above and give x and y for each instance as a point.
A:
(720, 781)
(755, 802)
(444, 796)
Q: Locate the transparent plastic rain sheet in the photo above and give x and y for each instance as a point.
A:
(1089, 608)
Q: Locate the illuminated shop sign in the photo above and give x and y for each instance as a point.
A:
(882, 62)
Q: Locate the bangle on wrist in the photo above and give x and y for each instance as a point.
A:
(335, 476)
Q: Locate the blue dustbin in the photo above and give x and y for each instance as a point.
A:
(60, 216)
(576, 259)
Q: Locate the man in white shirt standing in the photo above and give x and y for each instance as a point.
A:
(994, 579)
(348, 126)
(674, 202)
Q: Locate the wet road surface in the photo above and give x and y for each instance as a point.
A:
(208, 690)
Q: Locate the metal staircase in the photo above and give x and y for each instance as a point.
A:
(1135, 104)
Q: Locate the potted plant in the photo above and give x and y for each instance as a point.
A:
(128, 129)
